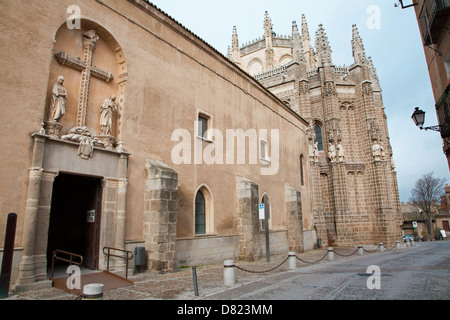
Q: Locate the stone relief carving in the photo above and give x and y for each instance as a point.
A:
(367, 88)
(334, 131)
(87, 142)
(303, 86)
(86, 148)
(329, 89)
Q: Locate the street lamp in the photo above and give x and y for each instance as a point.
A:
(419, 119)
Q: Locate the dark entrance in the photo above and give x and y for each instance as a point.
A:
(75, 218)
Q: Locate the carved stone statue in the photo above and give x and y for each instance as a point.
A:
(332, 152)
(314, 152)
(59, 100)
(340, 153)
(107, 108)
(378, 152)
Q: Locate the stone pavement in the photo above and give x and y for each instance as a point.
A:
(179, 285)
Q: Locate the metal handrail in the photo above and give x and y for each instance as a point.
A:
(128, 257)
(70, 260)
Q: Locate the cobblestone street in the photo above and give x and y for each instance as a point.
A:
(179, 285)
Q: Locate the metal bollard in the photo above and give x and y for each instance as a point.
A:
(381, 246)
(229, 273)
(360, 250)
(397, 244)
(93, 291)
(407, 243)
(411, 242)
(194, 278)
(292, 261)
(330, 254)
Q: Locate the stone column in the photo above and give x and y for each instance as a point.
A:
(248, 219)
(160, 225)
(26, 274)
(42, 225)
(26, 266)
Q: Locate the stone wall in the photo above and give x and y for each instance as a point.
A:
(160, 225)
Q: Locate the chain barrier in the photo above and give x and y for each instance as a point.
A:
(346, 255)
(394, 246)
(312, 262)
(263, 271)
(372, 251)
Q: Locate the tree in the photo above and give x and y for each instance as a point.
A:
(426, 194)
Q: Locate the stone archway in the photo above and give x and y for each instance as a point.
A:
(73, 144)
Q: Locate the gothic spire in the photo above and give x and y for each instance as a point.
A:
(269, 37)
(373, 73)
(235, 39)
(310, 57)
(234, 52)
(305, 32)
(359, 53)
(297, 46)
(268, 29)
(323, 48)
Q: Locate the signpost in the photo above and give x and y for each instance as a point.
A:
(264, 214)
(261, 211)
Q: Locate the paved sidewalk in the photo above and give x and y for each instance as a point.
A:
(179, 285)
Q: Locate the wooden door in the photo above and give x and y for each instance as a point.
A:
(91, 248)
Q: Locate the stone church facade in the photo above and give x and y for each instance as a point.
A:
(353, 178)
(123, 129)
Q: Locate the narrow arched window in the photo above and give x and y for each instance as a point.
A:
(318, 131)
(302, 173)
(200, 213)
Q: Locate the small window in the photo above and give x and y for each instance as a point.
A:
(203, 126)
(318, 131)
(263, 150)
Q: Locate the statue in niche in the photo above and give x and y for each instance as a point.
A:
(340, 153)
(332, 152)
(59, 100)
(107, 109)
(378, 152)
(314, 152)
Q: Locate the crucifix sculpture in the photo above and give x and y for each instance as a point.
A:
(87, 70)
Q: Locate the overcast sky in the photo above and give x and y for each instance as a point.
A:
(391, 37)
